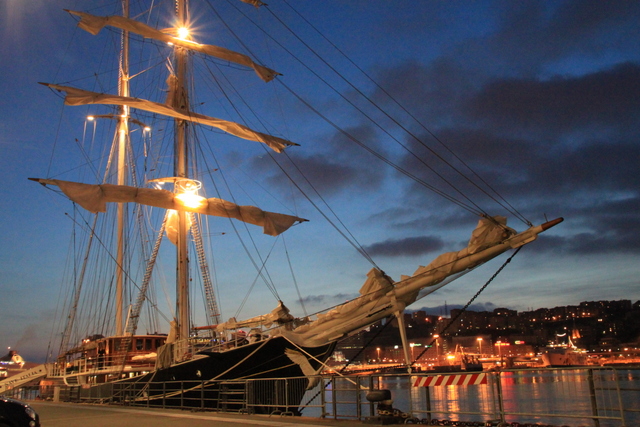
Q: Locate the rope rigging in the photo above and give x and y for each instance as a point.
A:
(377, 124)
(342, 228)
(471, 207)
(314, 197)
(453, 319)
(447, 326)
(418, 121)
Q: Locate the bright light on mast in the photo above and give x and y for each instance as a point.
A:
(187, 193)
(183, 33)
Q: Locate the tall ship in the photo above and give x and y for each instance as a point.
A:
(154, 196)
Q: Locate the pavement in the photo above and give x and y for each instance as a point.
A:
(81, 415)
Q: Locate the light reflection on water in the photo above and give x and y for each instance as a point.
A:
(547, 396)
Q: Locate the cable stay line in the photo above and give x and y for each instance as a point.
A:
(268, 282)
(510, 208)
(505, 205)
(110, 255)
(476, 211)
(453, 319)
(377, 123)
(295, 282)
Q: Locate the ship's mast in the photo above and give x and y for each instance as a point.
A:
(180, 171)
(123, 135)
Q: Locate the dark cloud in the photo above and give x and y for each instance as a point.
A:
(445, 309)
(408, 246)
(531, 38)
(327, 300)
(527, 134)
(609, 98)
(326, 175)
(432, 91)
(593, 25)
(613, 227)
(592, 243)
(563, 146)
(605, 169)
(586, 175)
(337, 164)
(414, 217)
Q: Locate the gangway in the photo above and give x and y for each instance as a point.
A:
(23, 378)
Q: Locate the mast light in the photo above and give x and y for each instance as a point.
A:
(187, 193)
(183, 33)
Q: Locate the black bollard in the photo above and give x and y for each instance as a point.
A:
(386, 413)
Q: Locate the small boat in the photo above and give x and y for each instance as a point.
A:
(12, 360)
(562, 357)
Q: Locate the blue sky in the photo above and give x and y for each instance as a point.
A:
(542, 99)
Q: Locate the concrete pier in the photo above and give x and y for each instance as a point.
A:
(83, 415)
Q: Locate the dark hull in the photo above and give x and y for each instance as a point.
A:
(224, 381)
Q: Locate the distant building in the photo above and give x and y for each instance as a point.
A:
(593, 325)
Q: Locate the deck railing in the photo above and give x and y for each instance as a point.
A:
(99, 366)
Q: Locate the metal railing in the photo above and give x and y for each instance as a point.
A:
(599, 397)
(97, 365)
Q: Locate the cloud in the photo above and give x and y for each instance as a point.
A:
(612, 227)
(534, 38)
(336, 165)
(327, 300)
(409, 246)
(551, 146)
(605, 98)
(445, 309)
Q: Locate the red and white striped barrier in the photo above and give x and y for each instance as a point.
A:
(461, 379)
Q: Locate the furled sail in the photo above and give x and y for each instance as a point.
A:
(95, 197)
(279, 315)
(93, 24)
(77, 96)
(381, 297)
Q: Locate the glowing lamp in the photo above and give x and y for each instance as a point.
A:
(187, 194)
(191, 200)
(183, 33)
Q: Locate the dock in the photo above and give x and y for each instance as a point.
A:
(577, 396)
(82, 415)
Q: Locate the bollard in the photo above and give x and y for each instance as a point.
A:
(386, 413)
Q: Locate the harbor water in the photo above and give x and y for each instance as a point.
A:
(604, 397)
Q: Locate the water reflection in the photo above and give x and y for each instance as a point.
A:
(556, 397)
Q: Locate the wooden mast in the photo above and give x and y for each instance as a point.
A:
(181, 171)
(123, 136)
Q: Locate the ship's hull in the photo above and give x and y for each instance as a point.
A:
(225, 380)
(562, 358)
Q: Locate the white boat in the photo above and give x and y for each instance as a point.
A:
(12, 359)
(562, 357)
(158, 203)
